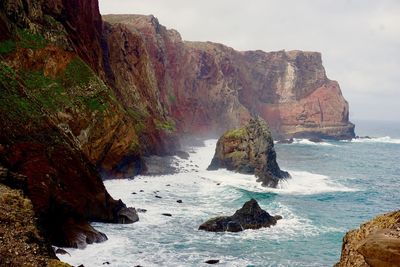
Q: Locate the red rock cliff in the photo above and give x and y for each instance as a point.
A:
(209, 87)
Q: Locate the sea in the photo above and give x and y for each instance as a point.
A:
(335, 187)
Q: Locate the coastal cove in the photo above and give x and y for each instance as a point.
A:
(335, 186)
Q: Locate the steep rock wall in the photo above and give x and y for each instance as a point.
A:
(209, 87)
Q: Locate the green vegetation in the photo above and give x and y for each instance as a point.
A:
(168, 125)
(171, 99)
(236, 133)
(30, 40)
(78, 73)
(7, 46)
(237, 154)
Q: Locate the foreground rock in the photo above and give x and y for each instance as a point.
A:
(249, 150)
(250, 216)
(375, 243)
(21, 243)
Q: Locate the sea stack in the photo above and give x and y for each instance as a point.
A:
(249, 150)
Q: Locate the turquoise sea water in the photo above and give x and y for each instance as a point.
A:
(335, 186)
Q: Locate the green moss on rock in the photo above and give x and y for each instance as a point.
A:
(235, 133)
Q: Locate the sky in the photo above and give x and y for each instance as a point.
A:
(359, 39)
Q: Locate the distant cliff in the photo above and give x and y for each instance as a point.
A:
(209, 87)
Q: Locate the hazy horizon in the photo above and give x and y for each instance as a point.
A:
(359, 40)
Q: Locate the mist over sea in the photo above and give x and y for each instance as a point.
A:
(335, 186)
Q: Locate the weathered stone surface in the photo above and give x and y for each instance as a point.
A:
(250, 216)
(249, 149)
(376, 243)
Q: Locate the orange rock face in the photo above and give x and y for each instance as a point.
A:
(209, 87)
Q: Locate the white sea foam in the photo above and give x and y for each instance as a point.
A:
(308, 142)
(158, 240)
(384, 139)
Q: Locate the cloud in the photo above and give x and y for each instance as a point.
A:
(359, 39)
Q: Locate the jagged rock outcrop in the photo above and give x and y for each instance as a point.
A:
(376, 243)
(250, 216)
(209, 87)
(249, 149)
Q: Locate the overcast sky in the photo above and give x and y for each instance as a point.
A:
(359, 39)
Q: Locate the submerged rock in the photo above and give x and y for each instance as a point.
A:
(375, 243)
(250, 216)
(249, 150)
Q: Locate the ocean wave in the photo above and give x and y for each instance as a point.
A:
(384, 139)
(301, 183)
(308, 142)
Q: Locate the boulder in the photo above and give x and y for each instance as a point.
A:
(250, 216)
(375, 243)
(249, 150)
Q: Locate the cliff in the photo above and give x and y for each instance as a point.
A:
(60, 123)
(249, 150)
(209, 87)
(376, 243)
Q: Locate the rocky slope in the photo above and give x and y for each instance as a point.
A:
(21, 242)
(209, 87)
(249, 149)
(376, 243)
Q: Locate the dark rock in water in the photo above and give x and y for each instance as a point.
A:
(179, 201)
(106, 263)
(286, 141)
(182, 154)
(250, 216)
(167, 214)
(249, 150)
(315, 140)
(278, 217)
(127, 215)
(141, 191)
(168, 185)
(218, 183)
(81, 265)
(212, 261)
(133, 193)
(158, 197)
(61, 251)
(141, 210)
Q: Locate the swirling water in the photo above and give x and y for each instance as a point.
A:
(335, 186)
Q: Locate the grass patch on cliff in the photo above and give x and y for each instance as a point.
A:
(13, 104)
(168, 125)
(7, 46)
(30, 40)
(235, 133)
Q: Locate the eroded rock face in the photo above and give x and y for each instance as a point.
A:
(250, 150)
(250, 216)
(209, 87)
(376, 243)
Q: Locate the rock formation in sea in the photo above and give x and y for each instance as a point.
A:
(249, 150)
(376, 243)
(209, 87)
(250, 216)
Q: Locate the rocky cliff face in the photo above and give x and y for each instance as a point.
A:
(249, 149)
(59, 120)
(209, 87)
(376, 243)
